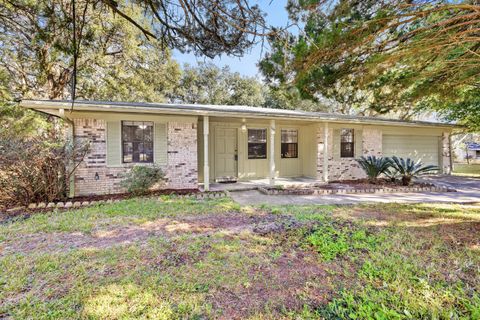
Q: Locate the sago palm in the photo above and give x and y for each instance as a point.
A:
(408, 169)
(374, 166)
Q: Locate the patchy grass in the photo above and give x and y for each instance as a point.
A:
(171, 259)
(467, 169)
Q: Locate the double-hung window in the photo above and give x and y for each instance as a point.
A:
(289, 148)
(137, 142)
(347, 146)
(257, 143)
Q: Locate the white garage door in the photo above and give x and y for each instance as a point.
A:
(414, 147)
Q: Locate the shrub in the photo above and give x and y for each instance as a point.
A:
(374, 166)
(141, 178)
(391, 174)
(408, 169)
(37, 169)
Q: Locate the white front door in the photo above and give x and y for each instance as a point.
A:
(225, 154)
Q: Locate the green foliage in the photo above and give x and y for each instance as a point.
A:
(209, 84)
(17, 122)
(116, 62)
(331, 240)
(140, 179)
(408, 169)
(374, 166)
(464, 108)
(388, 58)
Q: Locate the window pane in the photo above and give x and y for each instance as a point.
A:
(257, 150)
(127, 133)
(289, 136)
(257, 135)
(137, 141)
(347, 150)
(148, 134)
(289, 150)
(127, 152)
(347, 135)
(138, 132)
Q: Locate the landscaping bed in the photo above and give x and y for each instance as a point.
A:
(354, 186)
(86, 201)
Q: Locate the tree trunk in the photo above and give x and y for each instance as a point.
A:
(406, 180)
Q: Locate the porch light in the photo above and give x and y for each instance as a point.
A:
(244, 127)
(97, 177)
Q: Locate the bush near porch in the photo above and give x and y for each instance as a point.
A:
(181, 258)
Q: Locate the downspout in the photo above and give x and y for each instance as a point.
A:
(70, 135)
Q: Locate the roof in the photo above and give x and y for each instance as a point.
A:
(473, 146)
(217, 110)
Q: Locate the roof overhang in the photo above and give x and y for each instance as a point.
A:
(58, 108)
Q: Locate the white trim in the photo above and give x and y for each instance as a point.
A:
(272, 153)
(325, 152)
(206, 167)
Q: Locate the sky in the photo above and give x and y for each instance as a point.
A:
(247, 65)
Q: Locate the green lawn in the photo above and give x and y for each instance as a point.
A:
(173, 258)
(466, 169)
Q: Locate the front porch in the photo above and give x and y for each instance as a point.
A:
(259, 152)
(300, 182)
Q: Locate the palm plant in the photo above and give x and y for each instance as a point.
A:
(391, 174)
(374, 166)
(408, 169)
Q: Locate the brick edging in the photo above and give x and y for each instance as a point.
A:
(81, 204)
(313, 191)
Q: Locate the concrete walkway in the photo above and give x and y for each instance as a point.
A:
(468, 191)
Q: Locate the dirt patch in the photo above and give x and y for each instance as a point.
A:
(229, 223)
(295, 279)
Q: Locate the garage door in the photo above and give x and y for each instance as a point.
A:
(414, 147)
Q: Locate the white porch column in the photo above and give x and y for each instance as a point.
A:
(206, 167)
(272, 153)
(325, 152)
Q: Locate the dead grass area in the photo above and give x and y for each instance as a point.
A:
(454, 224)
(226, 223)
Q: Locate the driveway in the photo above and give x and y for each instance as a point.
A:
(468, 191)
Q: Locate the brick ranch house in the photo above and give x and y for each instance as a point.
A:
(196, 145)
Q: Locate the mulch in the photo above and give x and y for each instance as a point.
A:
(366, 184)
